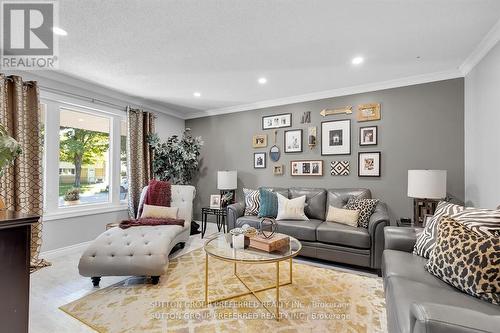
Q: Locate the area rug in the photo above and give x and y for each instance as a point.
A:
(319, 300)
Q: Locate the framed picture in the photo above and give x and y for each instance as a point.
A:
(368, 136)
(293, 141)
(369, 164)
(215, 201)
(336, 137)
(306, 168)
(277, 121)
(259, 141)
(259, 160)
(339, 168)
(369, 112)
(278, 169)
(311, 136)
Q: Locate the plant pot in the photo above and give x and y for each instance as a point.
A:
(72, 203)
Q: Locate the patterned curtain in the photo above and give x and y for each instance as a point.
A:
(21, 185)
(140, 156)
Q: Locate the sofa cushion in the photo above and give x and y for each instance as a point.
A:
(268, 203)
(401, 293)
(427, 239)
(467, 260)
(341, 234)
(252, 202)
(302, 230)
(409, 266)
(366, 208)
(315, 201)
(338, 197)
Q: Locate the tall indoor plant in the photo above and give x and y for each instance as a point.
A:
(9, 150)
(177, 159)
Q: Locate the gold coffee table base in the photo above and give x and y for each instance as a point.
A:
(276, 312)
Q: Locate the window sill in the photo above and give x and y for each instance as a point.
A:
(70, 212)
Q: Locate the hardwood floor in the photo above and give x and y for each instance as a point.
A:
(60, 284)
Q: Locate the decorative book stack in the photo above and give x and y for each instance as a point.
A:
(275, 243)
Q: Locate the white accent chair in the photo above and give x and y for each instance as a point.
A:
(139, 251)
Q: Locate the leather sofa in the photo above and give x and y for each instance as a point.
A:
(418, 302)
(327, 240)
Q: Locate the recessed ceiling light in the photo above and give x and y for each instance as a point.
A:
(59, 31)
(80, 119)
(197, 94)
(357, 60)
(262, 80)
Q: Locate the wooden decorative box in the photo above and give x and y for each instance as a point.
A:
(277, 242)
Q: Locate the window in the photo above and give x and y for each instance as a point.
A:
(83, 158)
(123, 161)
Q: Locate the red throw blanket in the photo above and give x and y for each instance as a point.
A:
(150, 221)
(159, 193)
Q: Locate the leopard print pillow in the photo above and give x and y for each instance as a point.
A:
(467, 260)
(366, 208)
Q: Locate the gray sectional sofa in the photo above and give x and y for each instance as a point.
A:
(327, 240)
(418, 302)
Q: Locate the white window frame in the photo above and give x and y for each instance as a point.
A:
(54, 103)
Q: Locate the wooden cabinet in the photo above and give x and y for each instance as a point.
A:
(15, 235)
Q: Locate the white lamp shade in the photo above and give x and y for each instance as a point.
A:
(227, 180)
(427, 184)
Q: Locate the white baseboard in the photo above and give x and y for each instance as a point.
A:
(64, 250)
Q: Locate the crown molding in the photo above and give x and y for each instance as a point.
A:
(403, 82)
(73, 85)
(485, 45)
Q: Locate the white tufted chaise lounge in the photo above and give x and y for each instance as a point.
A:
(139, 251)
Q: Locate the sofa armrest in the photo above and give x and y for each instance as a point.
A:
(400, 238)
(234, 211)
(378, 221)
(438, 318)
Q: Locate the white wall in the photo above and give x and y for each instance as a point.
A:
(67, 231)
(482, 129)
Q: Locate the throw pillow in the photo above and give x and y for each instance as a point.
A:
(159, 212)
(485, 222)
(426, 240)
(252, 201)
(291, 209)
(365, 207)
(466, 260)
(344, 216)
(268, 203)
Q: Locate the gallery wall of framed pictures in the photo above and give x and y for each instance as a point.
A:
(334, 139)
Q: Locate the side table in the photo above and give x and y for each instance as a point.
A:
(220, 217)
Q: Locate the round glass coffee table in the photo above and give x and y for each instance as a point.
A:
(219, 247)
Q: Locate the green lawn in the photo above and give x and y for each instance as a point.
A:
(63, 188)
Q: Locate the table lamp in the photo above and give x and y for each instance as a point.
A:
(227, 183)
(426, 187)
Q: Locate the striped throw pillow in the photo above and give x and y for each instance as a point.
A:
(252, 201)
(485, 222)
(426, 240)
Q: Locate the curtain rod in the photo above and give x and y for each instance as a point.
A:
(91, 99)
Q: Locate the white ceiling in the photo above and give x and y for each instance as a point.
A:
(166, 50)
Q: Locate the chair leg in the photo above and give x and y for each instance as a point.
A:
(96, 280)
(155, 279)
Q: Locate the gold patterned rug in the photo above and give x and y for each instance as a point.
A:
(319, 300)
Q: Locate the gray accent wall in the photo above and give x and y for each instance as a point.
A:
(422, 127)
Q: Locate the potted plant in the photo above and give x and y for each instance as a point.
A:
(177, 159)
(72, 197)
(10, 149)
